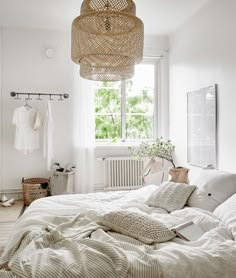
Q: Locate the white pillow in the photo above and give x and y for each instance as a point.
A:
(213, 188)
(226, 212)
(137, 226)
(171, 196)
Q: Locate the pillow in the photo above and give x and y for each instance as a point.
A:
(226, 212)
(137, 226)
(171, 196)
(213, 188)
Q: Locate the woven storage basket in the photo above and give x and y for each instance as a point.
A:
(32, 189)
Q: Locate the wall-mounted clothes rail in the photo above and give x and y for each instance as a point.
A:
(17, 94)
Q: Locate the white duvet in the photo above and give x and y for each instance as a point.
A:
(213, 255)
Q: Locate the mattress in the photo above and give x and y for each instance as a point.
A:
(213, 255)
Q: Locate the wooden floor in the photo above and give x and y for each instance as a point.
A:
(8, 217)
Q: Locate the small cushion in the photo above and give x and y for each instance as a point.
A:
(171, 196)
(137, 226)
(213, 188)
(226, 212)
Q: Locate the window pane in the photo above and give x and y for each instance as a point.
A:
(107, 97)
(137, 98)
(108, 126)
(139, 127)
(140, 100)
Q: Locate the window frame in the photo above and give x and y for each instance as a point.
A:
(156, 61)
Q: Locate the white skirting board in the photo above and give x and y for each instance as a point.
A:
(17, 194)
(14, 193)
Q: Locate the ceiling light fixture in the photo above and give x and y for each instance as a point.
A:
(107, 39)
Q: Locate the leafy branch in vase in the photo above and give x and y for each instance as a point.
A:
(158, 148)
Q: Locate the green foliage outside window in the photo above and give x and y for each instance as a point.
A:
(108, 112)
(138, 113)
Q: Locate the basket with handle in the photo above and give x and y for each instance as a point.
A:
(35, 188)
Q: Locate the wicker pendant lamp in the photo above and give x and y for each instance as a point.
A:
(107, 39)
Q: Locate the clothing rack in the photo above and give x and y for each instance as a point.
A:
(17, 94)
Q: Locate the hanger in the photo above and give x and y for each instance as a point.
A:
(27, 106)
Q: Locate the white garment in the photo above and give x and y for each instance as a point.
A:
(84, 134)
(27, 124)
(48, 152)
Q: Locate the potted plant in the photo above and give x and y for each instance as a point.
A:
(164, 150)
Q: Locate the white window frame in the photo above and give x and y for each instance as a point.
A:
(156, 61)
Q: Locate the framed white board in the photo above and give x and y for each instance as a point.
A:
(202, 126)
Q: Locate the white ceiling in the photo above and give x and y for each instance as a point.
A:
(159, 16)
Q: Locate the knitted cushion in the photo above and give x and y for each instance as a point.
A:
(171, 196)
(137, 226)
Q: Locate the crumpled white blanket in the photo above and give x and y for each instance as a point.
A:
(213, 255)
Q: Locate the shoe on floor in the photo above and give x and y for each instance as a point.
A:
(8, 203)
(4, 198)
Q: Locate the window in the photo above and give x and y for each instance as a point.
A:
(127, 110)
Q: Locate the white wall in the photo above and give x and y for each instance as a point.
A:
(202, 53)
(26, 69)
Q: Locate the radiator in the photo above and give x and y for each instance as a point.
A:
(123, 173)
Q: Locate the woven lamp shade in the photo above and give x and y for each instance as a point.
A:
(107, 40)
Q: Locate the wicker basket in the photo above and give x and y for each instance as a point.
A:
(32, 189)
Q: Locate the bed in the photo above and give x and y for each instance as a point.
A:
(60, 236)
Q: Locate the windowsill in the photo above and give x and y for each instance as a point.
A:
(106, 149)
(114, 146)
(101, 145)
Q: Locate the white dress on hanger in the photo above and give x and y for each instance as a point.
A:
(27, 123)
(48, 152)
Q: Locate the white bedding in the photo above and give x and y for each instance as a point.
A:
(213, 255)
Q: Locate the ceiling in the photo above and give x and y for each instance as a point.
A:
(159, 16)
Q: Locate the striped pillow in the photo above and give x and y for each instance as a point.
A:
(137, 226)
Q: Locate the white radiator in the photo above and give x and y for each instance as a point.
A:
(123, 173)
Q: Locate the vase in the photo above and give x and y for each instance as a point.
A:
(179, 174)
